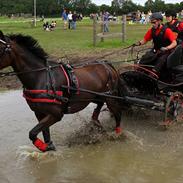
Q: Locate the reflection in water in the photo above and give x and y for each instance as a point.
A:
(145, 155)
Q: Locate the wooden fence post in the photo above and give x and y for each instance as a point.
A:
(94, 30)
(102, 31)
(123, 28)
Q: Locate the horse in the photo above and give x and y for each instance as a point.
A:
(52, 89)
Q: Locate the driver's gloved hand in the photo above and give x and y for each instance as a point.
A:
(163, 49)
(137, 43)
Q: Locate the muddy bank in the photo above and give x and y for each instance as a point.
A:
(7, 83)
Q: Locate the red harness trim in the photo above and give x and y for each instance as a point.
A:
(67, 78)
(59, 93)
(42, 100)
(147, 70)
(46, 99)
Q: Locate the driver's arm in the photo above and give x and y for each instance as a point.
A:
(172, 45)
(142, 42)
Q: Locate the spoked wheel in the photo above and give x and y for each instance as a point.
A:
(173, 109)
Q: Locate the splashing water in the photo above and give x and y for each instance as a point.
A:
(25, 152)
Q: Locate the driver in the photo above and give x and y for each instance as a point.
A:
(164, 41)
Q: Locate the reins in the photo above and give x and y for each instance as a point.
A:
(12, 73)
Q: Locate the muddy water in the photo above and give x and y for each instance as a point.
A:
(85, 156)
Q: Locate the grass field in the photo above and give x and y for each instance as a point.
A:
(72, 42)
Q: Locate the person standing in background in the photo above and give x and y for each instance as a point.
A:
(70, 20)
(64, 18)
(74, 19)
(106, 21)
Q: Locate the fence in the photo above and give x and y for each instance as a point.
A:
(103, 35)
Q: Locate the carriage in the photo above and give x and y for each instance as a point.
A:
(144, 88)
(53, 89)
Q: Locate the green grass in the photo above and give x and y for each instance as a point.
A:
(80, 41)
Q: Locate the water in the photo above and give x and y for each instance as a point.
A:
(146, 155)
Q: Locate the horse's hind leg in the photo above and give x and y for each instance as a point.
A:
(115, 109)
(43, 126)
(96, 113)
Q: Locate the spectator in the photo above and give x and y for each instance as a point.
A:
(106, 21)
(70, 19)
(74, 19)
(80, 17)
(64, 18)
(181, 15)
(53, 25)
(143, 18)
(42, 18)
(46, 26)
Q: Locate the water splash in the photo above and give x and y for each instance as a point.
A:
(29, 152)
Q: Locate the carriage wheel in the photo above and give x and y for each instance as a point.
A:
(173, 109)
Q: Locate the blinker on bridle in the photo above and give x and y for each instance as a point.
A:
(8, 47)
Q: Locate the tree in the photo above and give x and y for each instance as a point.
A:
(149, 5)
(159, 5)
(128, 6)
(92, 8)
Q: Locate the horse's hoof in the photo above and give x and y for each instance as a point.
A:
(97, 123)
(165, 124)
(116, 136)
(51, 147)
(98, 126)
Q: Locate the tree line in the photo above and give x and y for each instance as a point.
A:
(86, 7)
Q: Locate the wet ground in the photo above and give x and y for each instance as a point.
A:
(84, 154)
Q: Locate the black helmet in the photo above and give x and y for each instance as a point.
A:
(171, 13)
(156, 16)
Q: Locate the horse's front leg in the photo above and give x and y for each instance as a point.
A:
(43, 126)
(46, 132)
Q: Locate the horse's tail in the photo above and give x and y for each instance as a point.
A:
(122, 86)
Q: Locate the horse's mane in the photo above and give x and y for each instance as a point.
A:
(29, 43)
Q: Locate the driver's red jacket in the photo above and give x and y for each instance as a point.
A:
(168, 34)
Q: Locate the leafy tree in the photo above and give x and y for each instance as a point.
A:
(159, 5)
(54, 7)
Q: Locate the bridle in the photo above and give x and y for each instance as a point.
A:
(7, 47)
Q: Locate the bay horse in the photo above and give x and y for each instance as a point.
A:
(43, 83)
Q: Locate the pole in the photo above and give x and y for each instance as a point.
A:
(94, 30)
(34, 13)
(123, 28)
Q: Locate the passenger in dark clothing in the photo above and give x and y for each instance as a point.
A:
(175, 25)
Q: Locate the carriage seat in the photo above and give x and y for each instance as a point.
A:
(177, 69)
(175, 58)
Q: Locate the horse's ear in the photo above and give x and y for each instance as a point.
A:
(1, 35)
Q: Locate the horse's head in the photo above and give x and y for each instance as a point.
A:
(5, 51)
